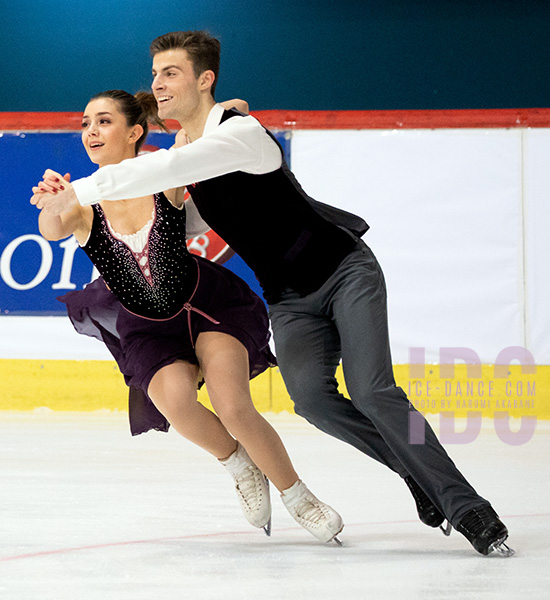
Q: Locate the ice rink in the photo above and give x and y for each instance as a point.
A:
(90, 513)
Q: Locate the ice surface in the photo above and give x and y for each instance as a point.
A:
(88, 512)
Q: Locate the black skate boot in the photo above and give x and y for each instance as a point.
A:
(485, 531)
(427, 512)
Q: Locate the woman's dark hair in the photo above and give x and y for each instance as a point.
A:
(140, 109)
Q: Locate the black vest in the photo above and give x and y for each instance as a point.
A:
(276, 228)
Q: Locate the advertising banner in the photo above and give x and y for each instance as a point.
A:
(33, 271)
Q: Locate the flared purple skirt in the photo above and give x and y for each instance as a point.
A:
(222, 302)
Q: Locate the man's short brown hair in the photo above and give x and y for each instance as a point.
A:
(203, 50)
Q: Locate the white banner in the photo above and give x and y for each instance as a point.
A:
(537, 241)
(445, 210)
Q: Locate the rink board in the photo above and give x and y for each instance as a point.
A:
(484, 308)
(98, 385)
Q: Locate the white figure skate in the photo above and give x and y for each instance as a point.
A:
(318, 518)
(252, 489)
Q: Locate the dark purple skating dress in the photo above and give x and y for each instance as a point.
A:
(157, 303)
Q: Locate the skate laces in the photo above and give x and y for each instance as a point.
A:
(246, 483)
(305, 506)
(485, 531)
(311, 511)
(252, 488)
(315, 516)
(477, 519)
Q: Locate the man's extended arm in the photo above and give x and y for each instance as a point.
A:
(238, 144)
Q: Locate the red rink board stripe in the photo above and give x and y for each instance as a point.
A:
(404, 119)
(323, 119)
(40, 121)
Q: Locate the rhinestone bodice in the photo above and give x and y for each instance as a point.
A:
(155, 282)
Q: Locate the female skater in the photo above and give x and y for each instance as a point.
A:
(182, 318)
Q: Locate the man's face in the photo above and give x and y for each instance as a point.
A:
(175, 86)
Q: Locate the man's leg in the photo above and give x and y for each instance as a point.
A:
(358, 307)
(308, 352)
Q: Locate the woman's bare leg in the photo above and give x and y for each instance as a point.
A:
(224, 364)
(173, 390)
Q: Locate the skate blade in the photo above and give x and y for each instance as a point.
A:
(502, 549)
(336, 539)
(267, 526)
(447, 529)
